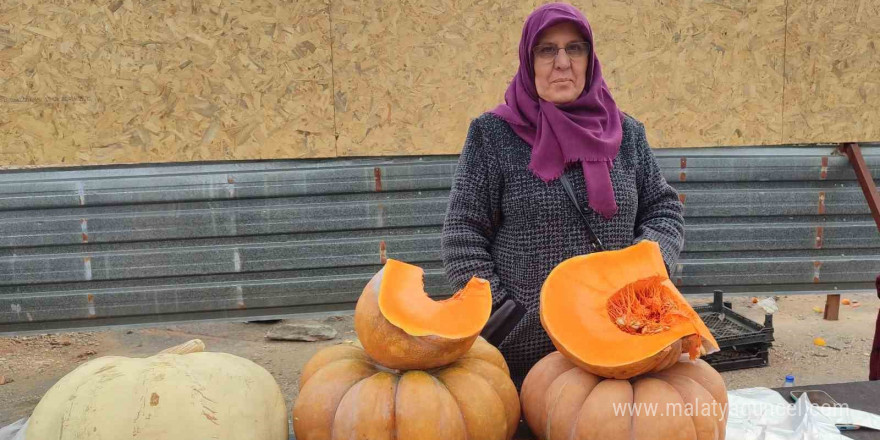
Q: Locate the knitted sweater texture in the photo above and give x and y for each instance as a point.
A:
(506, 225)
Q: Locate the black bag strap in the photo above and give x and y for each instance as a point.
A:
(594, 240)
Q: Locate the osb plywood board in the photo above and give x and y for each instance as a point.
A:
(697, 73)
(408, 78)
(410, 75)
(126, 81)
(832, 88)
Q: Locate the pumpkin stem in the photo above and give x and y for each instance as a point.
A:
(192, 346)
(644, 307)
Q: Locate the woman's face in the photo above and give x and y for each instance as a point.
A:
(560, 79)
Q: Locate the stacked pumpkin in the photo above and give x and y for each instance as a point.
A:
(627, 363)
(422, 372)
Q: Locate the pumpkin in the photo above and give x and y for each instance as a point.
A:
(687, 401)
(344, 394)
(182, 393)
(401, 327)
(616, 314)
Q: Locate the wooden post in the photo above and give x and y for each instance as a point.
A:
(863, 174)
(869, 189)
(832, 307)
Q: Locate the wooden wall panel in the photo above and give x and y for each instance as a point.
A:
(127, 81)
(409, 76)
(697, 73)
(832, 87)
(134, 81)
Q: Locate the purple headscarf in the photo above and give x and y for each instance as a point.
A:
(586, 130)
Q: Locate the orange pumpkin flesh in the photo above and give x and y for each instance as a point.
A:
(616, 313)
(560, 400)
(402, 328)
(404, 303)
(344, 394)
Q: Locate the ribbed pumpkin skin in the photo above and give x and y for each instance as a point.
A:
(346, 395)
(563, 402)
(180, 394)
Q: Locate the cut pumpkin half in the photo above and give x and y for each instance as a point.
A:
(402, 328)
(616, 313)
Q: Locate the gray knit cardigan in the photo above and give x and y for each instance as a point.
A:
(506, 225)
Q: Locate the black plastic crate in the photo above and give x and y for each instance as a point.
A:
(740, 357)
(732, 329)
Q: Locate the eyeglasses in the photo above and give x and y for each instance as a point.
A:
(576, 51)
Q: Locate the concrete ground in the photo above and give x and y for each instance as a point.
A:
(35, 363)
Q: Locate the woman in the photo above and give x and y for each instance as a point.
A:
(509, 220)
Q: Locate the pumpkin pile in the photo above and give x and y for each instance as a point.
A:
(627, 363)
(181, 393)
(627, 367)
(423, 371)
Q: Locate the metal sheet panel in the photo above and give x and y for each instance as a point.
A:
(125, 245)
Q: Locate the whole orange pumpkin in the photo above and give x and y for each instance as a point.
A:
(346, 395)
(686, 401)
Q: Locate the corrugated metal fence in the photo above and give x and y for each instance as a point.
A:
(125, 245)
